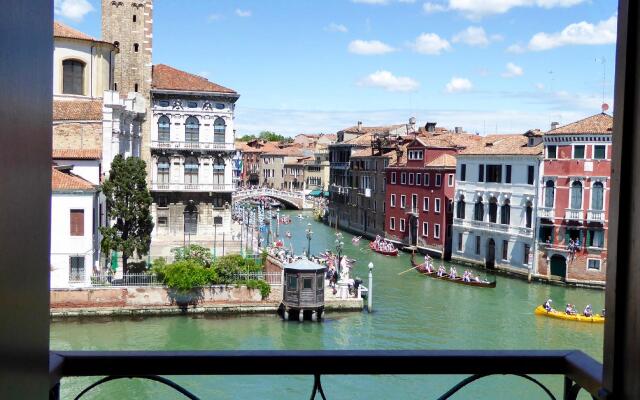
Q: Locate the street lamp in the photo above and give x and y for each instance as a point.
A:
(339, 247)
(309, 233)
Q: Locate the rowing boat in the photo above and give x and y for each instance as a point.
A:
(597, 318)
(391, 253)
(434, 274)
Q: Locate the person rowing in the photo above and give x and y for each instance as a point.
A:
(547, 305)
(441, 271)
(466, 277)
(452, 273)
(588, 312)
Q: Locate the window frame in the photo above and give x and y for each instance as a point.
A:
(425, 204)
(427, 177)
(393, 178)
(403, 201)
(392, 223)
(438, 180)
(573, 151)
(437, 205)
(450, 180)
(425, 229)
(436, 231)
(392, 200)
(555, 152)
(594, 269)
(593, 155)
(402, 224)
(76, 229)
(73, 63)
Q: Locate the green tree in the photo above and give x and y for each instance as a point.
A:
(128, 205)
(247, 138)
(273, 137)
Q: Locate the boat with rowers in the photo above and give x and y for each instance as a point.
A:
(422, 268)
(384, 247)
(596, 318)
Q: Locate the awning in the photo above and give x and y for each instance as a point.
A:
(315, 193)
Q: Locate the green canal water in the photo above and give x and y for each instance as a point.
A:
(410, 312)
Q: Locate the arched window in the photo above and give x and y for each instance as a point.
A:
(136, 46)
(529, 215)
(135, 18)
(478, 210)
(597, 199)
(505, 213)
(219, 129)
(191, 171)
(549, 193)
(164, 129)
(576, 195)
(192, 130)
(461, 208)
(73, 77)
(163, 170)
(493, 210)
(218, 171)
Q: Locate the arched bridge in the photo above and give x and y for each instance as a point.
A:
(295, 199)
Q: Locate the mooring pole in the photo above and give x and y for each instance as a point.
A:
(370, 292)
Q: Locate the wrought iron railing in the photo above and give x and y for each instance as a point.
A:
(579, 370)
(151, 280)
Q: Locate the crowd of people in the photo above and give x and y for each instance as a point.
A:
(382, 244)
(570, 309)
(573, 246)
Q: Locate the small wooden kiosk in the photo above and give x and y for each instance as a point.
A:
(303, 291)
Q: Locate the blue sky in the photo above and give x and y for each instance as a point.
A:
(489, 66)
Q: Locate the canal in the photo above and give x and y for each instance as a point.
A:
(410, 312)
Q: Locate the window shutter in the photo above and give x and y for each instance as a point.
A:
(77, 222)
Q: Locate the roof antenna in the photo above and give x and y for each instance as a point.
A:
(603, 61)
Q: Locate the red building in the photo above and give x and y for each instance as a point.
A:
(420, 190)
(574, 200)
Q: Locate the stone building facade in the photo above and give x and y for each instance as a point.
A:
(192, 147)
(496, 194)
(573, 201)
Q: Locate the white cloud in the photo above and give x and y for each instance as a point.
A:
(243, 13)
(512, 71)
(382, 2)
(516, 49)
(473, 36)
(388, 81)
(333, 27)
(430, 43)
(430, 8)
(539, 86)
(74, 10)
(476, 9)
(581, 33)
(214, 17)
(369, 47)
(457, 85)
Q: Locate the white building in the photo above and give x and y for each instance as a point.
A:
(192, 145)
(495, 203)
(91, 125)
(75, 240)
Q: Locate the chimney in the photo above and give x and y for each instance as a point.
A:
(359, 126)
(458, 129)
(431, 126)
(554, 125)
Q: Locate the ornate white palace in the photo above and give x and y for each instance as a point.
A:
(191, 144)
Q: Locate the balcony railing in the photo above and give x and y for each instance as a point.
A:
(192, 187)
(546, 212)
(494, 227)
(579, 370)
(156, 144)
(573, 214)
(340, 165)
(595, 216)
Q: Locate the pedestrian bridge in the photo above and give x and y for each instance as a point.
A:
(294, 199)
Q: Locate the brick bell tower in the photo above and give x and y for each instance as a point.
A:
(129, 25)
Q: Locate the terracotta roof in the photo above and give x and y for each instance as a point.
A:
(503, 144)
(444, 161)
(596, 124)
(77, 110)
(166, 77)
(371, 129)
(64, 31)
(63, 181)
(362, 140)
(77, 154)
(293, 151)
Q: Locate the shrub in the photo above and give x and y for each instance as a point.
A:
(264, 287)
(185, 275)
(194, 252)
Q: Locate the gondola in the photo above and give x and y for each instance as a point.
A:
(392, 253)
(421, 269)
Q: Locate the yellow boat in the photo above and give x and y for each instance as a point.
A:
(597, 318)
